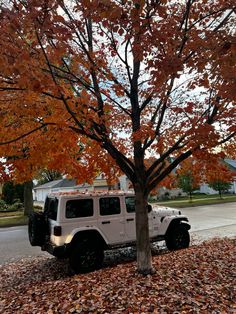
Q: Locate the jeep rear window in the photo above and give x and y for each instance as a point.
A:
(130, 204)
(79, 208)
(109, 206)
(51, 207)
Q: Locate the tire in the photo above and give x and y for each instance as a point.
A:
(178, 238)
(36, 229)
(86, 256)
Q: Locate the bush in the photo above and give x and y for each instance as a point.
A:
(166, 196)
(3, 205)
(152, 198)
(16, 206)
(10, 192)
(16, 200)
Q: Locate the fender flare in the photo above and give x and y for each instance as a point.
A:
(177, 221)
(91, 234)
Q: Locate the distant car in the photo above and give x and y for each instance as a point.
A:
(81, 226)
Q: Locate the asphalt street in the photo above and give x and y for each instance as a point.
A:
(206, 222)
(212, 221)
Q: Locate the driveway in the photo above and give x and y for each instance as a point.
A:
(206, 222)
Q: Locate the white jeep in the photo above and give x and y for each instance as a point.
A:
(81, 226)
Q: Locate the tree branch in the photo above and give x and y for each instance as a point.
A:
(27, 134)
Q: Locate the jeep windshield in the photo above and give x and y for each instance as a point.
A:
(51, 208)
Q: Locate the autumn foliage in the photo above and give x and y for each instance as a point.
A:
(89, 86)
(219, 176)
(189, 175)
(67, 75)
(199, 279)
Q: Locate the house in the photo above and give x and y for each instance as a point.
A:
(40, 192)
(204, 188)
(99, 184)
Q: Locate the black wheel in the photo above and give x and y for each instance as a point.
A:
(178, 238)
(86, 256)
(36, 229)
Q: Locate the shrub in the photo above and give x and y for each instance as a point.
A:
(3, 205)
(10, 192)
(17, 200)
(15, 207)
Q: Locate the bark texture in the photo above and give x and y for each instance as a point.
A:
(28, 198)
(144, 258)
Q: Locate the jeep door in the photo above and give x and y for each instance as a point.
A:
(130, 225)
(111, 220)
(79, 214)
(51, 213)
(130, 228)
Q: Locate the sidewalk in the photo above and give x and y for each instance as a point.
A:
(182, 203)
(4, 217)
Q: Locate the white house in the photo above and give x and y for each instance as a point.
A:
(204, 188)
(40, 192)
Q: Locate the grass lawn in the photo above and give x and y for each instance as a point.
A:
(198, 200)
(11, 213)
(13, 220)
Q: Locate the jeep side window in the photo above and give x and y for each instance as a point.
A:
(130, 204)
(79, 208)
(109, 206)
(51, 207)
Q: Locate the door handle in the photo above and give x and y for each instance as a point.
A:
(106, 222)
(130, 219)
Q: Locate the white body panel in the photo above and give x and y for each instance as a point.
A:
(116, 228)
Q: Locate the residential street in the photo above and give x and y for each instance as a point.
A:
(212, 221)
(206, 222)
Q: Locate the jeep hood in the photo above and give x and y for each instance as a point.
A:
(164, 211)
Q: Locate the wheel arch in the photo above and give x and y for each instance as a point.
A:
(177, 221)
(92, 235)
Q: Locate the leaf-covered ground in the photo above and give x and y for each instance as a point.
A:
(201, 279)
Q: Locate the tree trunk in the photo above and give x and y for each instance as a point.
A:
(220, 193)
(190, 197)
(144, 258)
(28, 198)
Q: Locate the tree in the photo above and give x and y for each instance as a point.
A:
(189, 176)
(47, 175)
(28, 197)
(11, 192)
(220, 186)
(90, 86)
(219, 176)
(186, 183)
